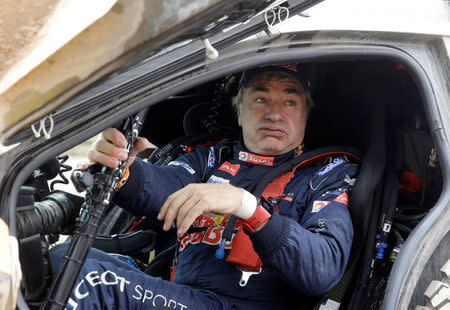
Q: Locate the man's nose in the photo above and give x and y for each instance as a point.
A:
(273, 111)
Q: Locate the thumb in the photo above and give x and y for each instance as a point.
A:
(140, 145)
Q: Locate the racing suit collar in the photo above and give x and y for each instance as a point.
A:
(242, 154)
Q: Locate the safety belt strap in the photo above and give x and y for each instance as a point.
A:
(271, 188)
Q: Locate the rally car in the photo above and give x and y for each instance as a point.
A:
(381, 89)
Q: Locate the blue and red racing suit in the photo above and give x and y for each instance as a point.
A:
(304, 247)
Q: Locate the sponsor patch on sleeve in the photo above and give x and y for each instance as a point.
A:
(215, 179)
(182, 164)
(319, 205)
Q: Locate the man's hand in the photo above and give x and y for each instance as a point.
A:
(195, 199)
(108, 149)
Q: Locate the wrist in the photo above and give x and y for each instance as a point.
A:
(248, 205)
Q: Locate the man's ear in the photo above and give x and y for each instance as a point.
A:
(239, 114)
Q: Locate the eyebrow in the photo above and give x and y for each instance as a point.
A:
(289, 90)
(259, 88)
(293, 90)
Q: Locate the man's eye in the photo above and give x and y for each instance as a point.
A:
(291, 103)
(260, 100)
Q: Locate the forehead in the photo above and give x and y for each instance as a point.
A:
(274, 80)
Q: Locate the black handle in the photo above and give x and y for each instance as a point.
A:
(98, 197)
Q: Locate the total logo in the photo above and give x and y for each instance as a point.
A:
(256, 159)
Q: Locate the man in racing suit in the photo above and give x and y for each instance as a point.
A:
(301, 245)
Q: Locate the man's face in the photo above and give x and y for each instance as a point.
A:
(273, 115)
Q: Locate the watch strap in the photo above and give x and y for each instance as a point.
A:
(260, 216)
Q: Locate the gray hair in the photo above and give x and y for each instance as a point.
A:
(237, 100)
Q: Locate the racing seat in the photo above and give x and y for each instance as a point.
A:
(364, 205)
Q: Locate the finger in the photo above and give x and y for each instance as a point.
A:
(189, 218)
(140, 145)
(162, 212)
(114, 136)
(110, 149)
(177, 201)
(103, 148)
(98, 157)
(173, 210)
(186, 209)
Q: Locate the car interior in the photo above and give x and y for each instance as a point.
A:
(373, 105)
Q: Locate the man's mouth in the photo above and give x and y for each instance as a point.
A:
(272, 131)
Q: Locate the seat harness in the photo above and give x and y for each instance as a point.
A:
(269, 191)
